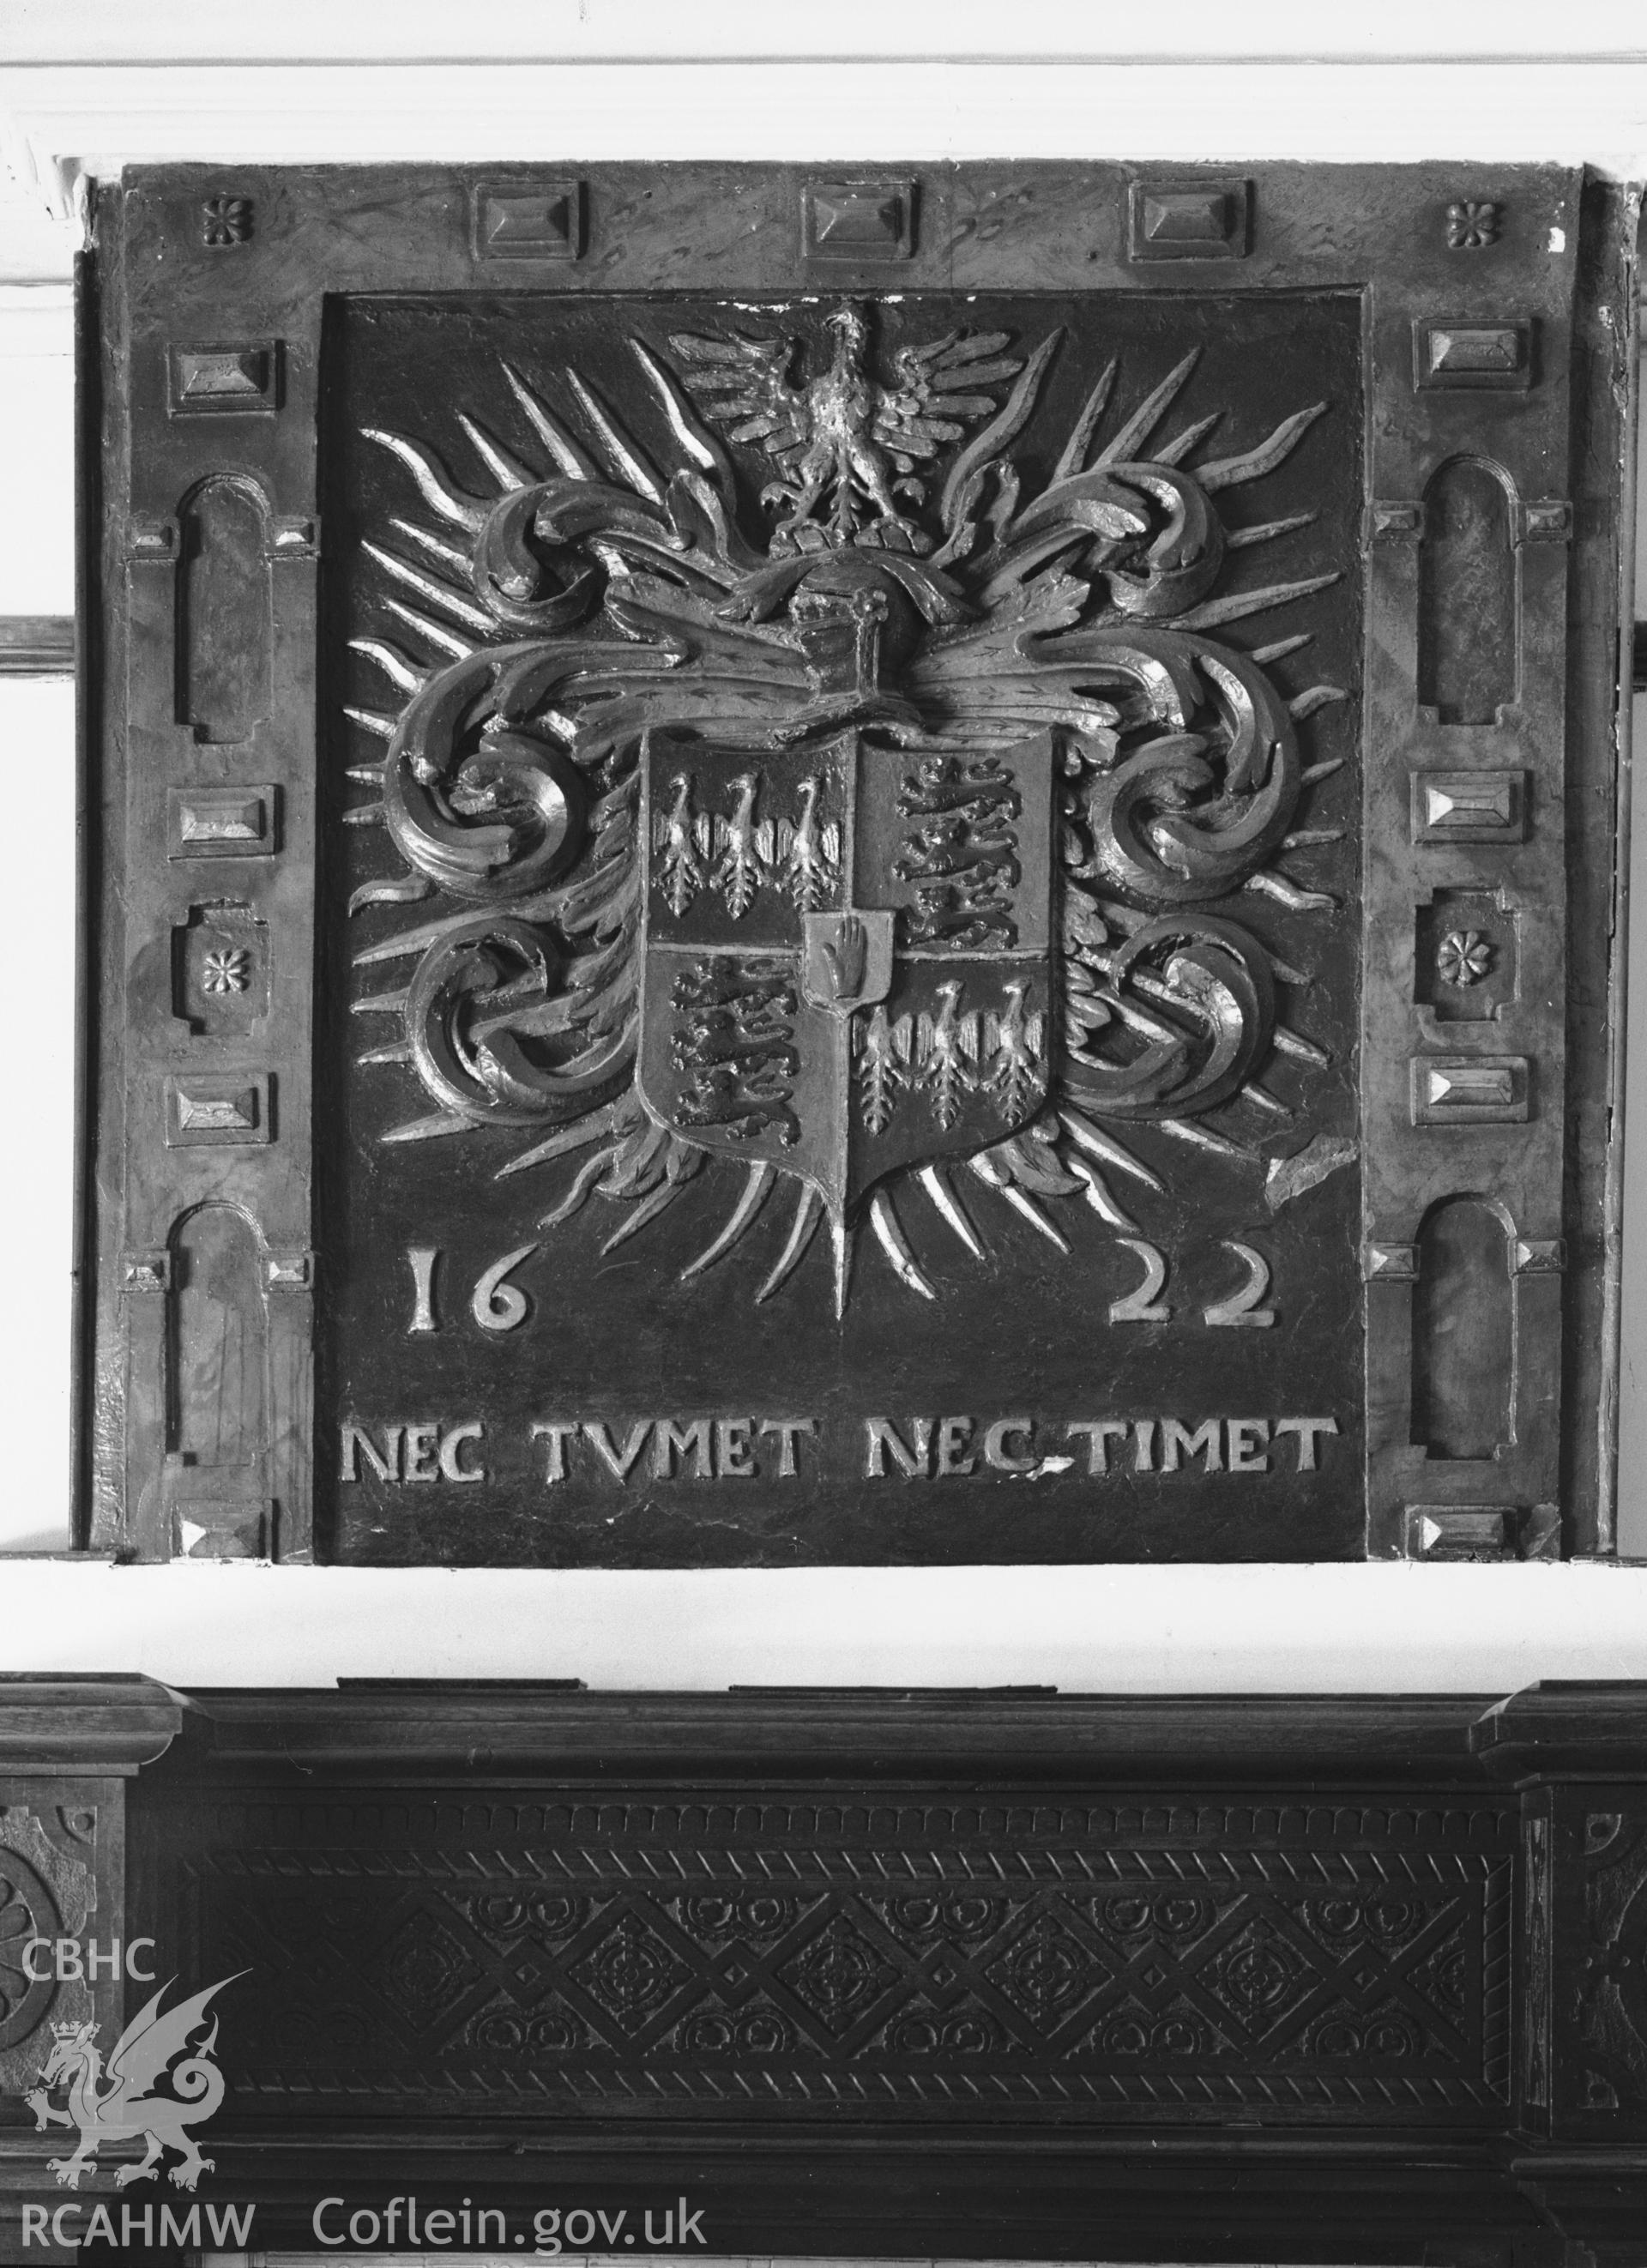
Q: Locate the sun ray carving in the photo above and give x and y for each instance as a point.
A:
(631, 704)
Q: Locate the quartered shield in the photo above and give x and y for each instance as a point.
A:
(848, 952)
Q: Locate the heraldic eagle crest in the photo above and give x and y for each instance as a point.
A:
(863, 826)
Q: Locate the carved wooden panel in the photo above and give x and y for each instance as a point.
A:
(909, 870)
(811, 981)
(1347, 1980)
(1598, 2016)
(48, 1890)
(1105, 1961)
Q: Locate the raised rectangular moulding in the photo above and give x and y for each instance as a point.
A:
(212, 381)
(146, 1272)
(1472, 354)
(1395, 520)
(1469, 1090)
(1473, 806)
(1189, 220)
(221, 823)
(1457, 1531)
(206, 1529)
(527, 220)
(224, 1107)
(1447, 1531)
(850, 220)
(1538, 1256)
(1547, 519)
(151, 542)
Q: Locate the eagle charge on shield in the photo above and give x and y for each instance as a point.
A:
(858, 826)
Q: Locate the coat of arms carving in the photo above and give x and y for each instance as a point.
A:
(817, 773)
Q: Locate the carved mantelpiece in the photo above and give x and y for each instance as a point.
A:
(985, 1974)
(69, 1748)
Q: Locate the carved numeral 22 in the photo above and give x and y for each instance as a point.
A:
(1240, 1310)
(1145, 1304)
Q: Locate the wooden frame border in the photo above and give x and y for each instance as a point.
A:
(1048, 226)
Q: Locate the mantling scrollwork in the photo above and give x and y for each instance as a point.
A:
(634, 731)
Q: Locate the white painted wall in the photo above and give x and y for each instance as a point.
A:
(93, 82)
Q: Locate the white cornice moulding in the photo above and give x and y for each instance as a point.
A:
(630, 31)
(46, 30)
(62, 123)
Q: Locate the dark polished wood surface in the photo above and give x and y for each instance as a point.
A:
(804, 868)
(1328, 1978)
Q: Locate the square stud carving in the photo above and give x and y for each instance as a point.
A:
(1469, 1090)
(210, 1530)
(152, 542)
(1531, 1256)
(870, 220)
(1189, 220)
(1547, 519)
(1395, 520)
(293, 535)
(527, 220)
(148, 1272)
(1478, 354)
(220, 1108)
(1484, 806)
(1389, 1263)
(1445, 1531)
(221, 823)
(217, 381)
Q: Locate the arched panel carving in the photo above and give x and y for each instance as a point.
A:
(1467, 595)
(224, 612)
(1463, 1401)
(216, 1370)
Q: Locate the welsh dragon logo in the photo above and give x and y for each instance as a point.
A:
(118, 2103)
(897, 842)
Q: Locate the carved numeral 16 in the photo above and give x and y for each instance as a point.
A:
(495, 1304)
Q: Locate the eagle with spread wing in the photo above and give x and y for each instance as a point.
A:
(846, 447)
